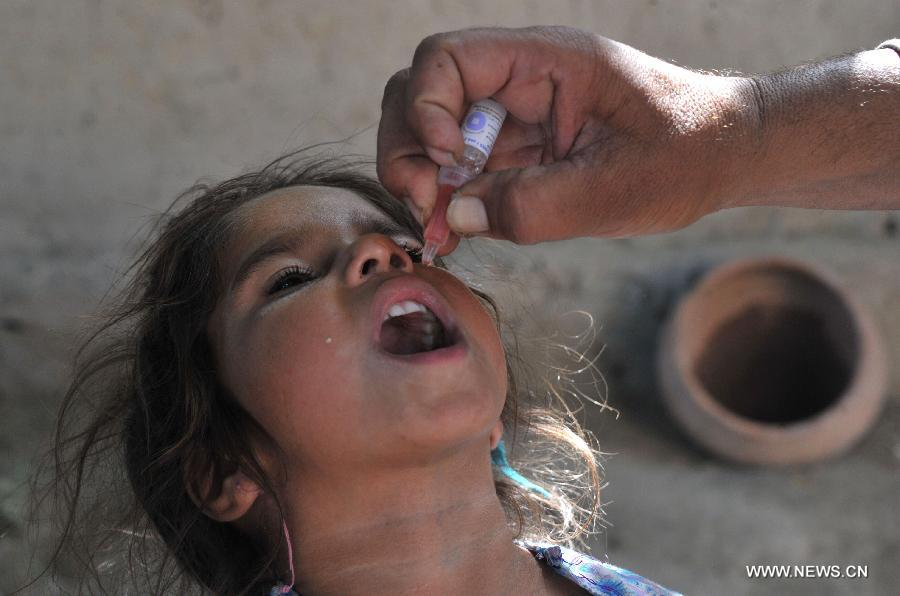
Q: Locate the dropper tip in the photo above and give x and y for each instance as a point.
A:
(429, 252)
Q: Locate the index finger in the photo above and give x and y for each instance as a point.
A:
(445, 77)
(404, 169)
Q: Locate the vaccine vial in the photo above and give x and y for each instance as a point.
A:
(479, 130)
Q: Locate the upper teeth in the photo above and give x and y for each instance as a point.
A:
(404, 308)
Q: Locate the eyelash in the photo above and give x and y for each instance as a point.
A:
(305, 274)
(414, 253)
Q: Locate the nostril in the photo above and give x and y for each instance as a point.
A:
(396, 261)
(368, 266)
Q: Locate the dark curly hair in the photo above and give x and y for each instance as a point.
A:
(145, 397)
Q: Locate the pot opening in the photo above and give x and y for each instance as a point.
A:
(779, 363)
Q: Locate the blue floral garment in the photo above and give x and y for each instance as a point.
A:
(597, 578)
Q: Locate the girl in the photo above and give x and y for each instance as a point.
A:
(297, 402)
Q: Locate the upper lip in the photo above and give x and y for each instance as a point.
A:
(407, 287)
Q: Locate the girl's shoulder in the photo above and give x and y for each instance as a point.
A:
(595, 577)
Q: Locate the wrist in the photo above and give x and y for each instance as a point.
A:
(737, 140)
(820, 133)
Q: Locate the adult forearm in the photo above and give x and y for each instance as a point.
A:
(824, 135)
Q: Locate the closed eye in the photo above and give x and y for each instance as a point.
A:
(290, 277)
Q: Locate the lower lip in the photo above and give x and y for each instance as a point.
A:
(442, 356)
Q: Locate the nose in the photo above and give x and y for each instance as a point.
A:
(372, 254)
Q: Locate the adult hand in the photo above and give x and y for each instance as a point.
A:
(600, 138)
(604, 140)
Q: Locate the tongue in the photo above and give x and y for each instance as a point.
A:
(412, 333)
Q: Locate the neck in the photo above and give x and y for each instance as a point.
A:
(437, 529)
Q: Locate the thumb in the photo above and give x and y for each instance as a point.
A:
(524, 205)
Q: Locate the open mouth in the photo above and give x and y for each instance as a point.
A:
(410, 327)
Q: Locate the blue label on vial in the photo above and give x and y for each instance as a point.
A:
(475, 121)
(482, 125)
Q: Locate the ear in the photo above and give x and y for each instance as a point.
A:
(496, 435)
(237, 496)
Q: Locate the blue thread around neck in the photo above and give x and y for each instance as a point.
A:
(498, 458)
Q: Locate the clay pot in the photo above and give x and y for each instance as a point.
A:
(769, 361)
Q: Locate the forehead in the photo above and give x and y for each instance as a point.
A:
(314, 206)
(307, 208)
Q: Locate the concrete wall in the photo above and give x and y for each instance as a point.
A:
(109, 109)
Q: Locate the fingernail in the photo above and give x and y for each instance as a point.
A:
(417, 213)
(466, 215)
(441, 157)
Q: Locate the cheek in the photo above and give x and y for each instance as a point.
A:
(492, 345)
(481, 326)
(293, 380)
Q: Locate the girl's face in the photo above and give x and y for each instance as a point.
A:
(299, 339)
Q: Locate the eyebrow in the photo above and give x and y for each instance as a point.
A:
(291, 241)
